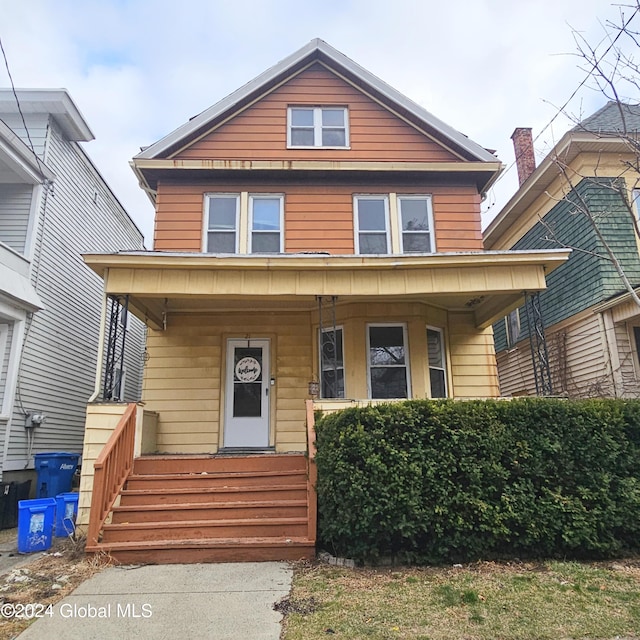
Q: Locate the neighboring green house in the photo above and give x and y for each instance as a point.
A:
(592, 323)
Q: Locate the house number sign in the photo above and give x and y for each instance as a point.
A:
(248, 369)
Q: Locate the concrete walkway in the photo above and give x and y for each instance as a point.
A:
(217, 601)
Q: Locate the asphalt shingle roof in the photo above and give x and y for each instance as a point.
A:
(614, 117)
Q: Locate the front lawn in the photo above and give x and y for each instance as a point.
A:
(550, 600)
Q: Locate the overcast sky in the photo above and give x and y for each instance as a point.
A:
(137, 69)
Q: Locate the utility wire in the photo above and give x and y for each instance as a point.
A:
(561, 109)
(15, 95)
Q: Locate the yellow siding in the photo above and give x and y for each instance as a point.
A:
(184, 375)
(423, 280)
(102, 419)
(473, 367)
(185, 368)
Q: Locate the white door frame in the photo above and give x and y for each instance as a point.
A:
(248, 431)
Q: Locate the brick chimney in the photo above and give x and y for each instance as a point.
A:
(525, 158)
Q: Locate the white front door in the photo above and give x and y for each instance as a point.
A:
(247, 395)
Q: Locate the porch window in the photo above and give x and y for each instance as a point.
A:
(223, 211)
(318, 127)
(266, 213)
(437, 363)
(331, 364)
(416, 224)
(372, 224)
(388, 372)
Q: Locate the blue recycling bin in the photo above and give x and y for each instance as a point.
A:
(35, 524)
(55, 472)
(66, 512)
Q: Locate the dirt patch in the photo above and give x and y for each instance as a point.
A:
(45, 580)
(303, 606)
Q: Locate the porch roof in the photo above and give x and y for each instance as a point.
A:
(488, 284)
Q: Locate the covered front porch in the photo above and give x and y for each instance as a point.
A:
(236, 345)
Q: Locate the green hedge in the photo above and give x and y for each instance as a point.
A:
(448, 481)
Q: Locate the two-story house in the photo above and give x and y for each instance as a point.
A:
(317, 245)
(580, 196)
(54, 206)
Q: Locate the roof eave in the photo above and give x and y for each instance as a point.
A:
(320, 50)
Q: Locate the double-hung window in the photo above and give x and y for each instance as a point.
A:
(222, 222)
(318, 127)
(372, 224)
(331, 363)
(437, 363)
(388, 361)
(416, 224)
(266, 213)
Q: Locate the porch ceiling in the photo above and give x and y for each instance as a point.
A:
(487, 284)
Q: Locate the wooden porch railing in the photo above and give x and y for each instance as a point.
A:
(112, 468)
(312, 475)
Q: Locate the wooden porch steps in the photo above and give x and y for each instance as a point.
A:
(212, 550)
(212, 509)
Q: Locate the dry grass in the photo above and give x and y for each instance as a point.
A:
(46, 579)
(484, 601)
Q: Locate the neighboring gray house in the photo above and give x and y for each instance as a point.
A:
(54, 206)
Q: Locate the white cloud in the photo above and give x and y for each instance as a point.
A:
(138, 69)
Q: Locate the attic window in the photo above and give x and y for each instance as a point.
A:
(325, 127)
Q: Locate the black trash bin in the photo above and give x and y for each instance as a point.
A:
(10, 494)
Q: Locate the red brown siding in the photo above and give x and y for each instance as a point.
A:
(260, 132)
(317, 217)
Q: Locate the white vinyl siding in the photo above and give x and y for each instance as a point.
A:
(6, 334)
(38, 124)
(15, 207)
(58, 364)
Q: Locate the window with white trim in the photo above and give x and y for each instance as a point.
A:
(512, 322)
(326, 127)
(331, 364)
(223, 211)
(416, 224)
(387, 361)
(371, 224)
(437, 363)
(265, 216)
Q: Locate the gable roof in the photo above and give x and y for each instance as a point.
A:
(317, 50)
(56, 102)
